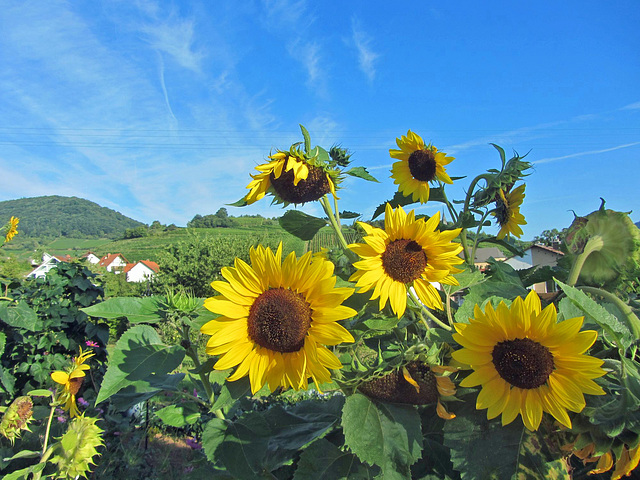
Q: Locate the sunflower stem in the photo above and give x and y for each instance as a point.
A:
(427, 312)
(43, 459)
(478, 230)
(452, 211)
(632, 320)
(48, 429)
(594, 244)
(335, 224)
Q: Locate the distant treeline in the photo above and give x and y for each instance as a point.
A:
(220, 219)
(56, 216)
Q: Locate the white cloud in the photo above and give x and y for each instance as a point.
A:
(580, 154)
(631, 106)
(366, 56)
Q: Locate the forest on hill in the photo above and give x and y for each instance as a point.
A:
(57, 216)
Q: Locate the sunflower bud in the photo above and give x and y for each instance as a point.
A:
(413, 384)
(77, 447)
(16, 418)
(611, 243)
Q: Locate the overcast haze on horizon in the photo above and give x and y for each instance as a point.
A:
(161, 110)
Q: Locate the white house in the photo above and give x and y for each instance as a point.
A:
(141, 271)
(91, 258)
(538, 256)
(113, 262)
(48, 262)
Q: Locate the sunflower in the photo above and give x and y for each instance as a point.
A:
(508, 212)
(526, 362)
(416, 383)
(419, 164)
(12, 229)
(276, 318)
(290, 178)
(407, 252)
(71, 381)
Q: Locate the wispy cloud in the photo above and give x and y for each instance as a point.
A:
(631, 106)
(366, 56)
(580, 154)
(308, 54)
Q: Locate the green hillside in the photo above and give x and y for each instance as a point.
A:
(55, 216)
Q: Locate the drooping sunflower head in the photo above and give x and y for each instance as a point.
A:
(507, 212)
(70, 381)
(416, 383)
(418, 165)
(526, 362)
(408, 252)
(11, 229)
(277, 317)
(16, 418)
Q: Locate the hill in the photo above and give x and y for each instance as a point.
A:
(56, 216)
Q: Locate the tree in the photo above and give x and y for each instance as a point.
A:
(551, 238)
(222, 213)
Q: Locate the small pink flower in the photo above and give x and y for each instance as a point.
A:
(91, 343)
(82, 402)
(193, 443)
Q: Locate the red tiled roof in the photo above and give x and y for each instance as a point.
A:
(128, 267)
(63, 258)
(152, 265)
(109, 258)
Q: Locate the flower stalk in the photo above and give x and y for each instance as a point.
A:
(594, 244)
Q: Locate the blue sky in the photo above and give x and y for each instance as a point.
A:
(160, 110)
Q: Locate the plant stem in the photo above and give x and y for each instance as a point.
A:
(335, 224)
(427, 312)
(594, 244)
(478, 230)
(632, 320)
(48, 429)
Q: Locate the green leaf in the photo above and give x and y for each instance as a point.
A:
(503, 157)
(24, 473)
(361, 172)
(322, 460)
(136, 309)
(24, 454)
(398, 200)
(347, 215)
(41, 392)
(7, 380)
(179, 415)
(20, 316)
(231, 391)
(260, 442)
(141, 391)
(139, 355)
(598, 314)
(240, 203)
(307, 139)
(383, 434)
(489, 290)
(467, 278)
(3, 342)
(212, 437)
(300, 224)
(475, 441)
(503, 243)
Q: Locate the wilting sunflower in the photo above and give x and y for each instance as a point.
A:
(419, 164)
(71, 381)
(416, 383)
(12, 229)
(407, 252)
(290, 178)
(626, 462)
(526, 362)
(276, 318)
(508, 212)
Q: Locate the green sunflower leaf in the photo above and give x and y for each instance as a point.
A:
(387, 435)
(136, 309)
(139, 356)
(307, 139)
(322, 460)
(596, 313)
(300, 224)
(398, 200)
(240, 203)
(179, 415)
(361, 172)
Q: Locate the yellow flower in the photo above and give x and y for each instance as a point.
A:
(290, 179)
(276, 318)
(416, 383)
(508, 212)
(12, 229)
(71, 381)
(527, 363)
(408, 252)
(419, 164)
(624, 465)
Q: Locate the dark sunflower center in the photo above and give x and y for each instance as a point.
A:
(314, 187)
(404, 260)
(393, 387)
(502, 211)
(422, 165)
(75, 384)
(523, 362)
(279, 320)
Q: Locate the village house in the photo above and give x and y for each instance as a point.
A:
(481, 261)
(537, 256)
(141, 271)
(48, 262)
(113, 262)
(91, 258)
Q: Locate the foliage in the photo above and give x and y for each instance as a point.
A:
(42, 325)
(220, 219)
(56, 216)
